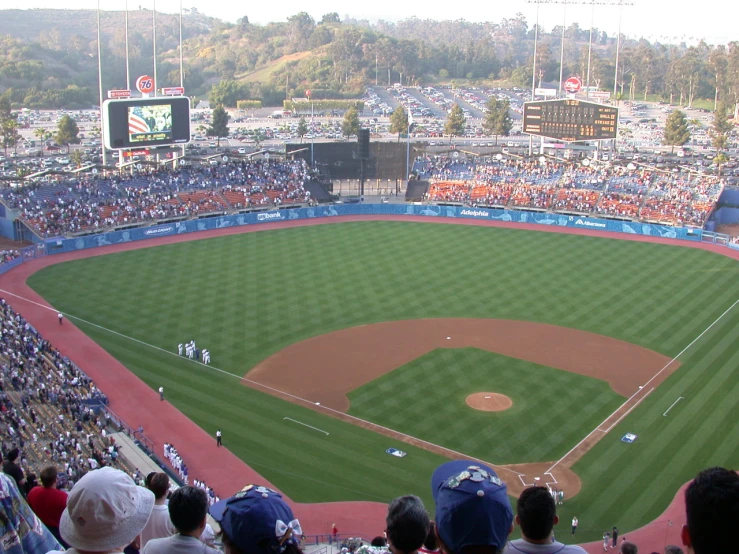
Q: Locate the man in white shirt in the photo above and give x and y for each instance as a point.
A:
(159, 524)
(188, 509)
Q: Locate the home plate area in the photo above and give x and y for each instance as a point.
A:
(537, 474)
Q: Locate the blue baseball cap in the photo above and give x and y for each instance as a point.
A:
(257, 520)
(472, 506)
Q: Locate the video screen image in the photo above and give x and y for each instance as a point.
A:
(146, 123)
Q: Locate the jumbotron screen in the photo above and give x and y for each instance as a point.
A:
(135, 123)
(570, 120)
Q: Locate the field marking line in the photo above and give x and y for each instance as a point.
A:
(629, 410)
(552, 476)
(679, 398)
(305, 424)
(719, 318)
(213, 368)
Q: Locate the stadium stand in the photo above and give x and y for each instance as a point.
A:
(605, 191)
(92, 205)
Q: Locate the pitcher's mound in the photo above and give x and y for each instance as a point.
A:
(489, 401)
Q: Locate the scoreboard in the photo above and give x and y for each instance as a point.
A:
(570, 120)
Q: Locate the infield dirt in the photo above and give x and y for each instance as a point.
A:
(343, 361)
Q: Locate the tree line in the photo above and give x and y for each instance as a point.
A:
(336, 59)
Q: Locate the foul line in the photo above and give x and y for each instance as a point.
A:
(628, 411)
(645, 384)
(294, 397)
(305, 424)
(679, 398)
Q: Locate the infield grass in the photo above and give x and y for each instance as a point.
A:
(426, 399)
(245, 297)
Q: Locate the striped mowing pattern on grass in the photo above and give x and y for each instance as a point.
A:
(246, 297)
(426, 399)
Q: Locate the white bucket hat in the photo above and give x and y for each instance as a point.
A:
(105, 510)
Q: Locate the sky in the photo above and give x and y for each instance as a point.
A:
(666, 21)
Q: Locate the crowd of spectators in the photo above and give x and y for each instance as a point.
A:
(610, 191)
(88, 205)
(8, 255)
(49, 410)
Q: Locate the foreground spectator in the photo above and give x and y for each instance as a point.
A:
(188, 510)
(431, 544)
(628, 548)
(49, 502)
(407, 524)
(159, 525)
(21, 531)
(672, 549)
(536, 515)
(472, 508)
(257, 521)
(712, 508)
(105, 512)
(13, 469)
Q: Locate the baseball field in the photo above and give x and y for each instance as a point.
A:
(536, 352)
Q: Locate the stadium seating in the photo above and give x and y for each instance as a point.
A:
(617, 192)
(86, 206)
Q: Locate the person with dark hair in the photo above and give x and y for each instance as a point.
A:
(378, 542)
(472, 508)
(13, 469)
(614, 536)
(407, 524)
(536, 515)
(188, 510)
(431, 544)
(672, 549)
(159, 525)
(30, 483)
(712, 509)
(257, 521)
(629, 548)
(49, 502)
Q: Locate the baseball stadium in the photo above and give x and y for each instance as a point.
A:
(354, 347)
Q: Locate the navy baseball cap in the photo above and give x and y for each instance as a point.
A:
(257, 520)
(472, 506)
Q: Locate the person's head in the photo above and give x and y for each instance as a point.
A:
(159, 485)
(257, 521)
(105, 511)
(672, 549)
(536, 514)
(473, 513)
(13, 454)
(431, 543)
(188, 510)
(712, 508)
(407, 524)
(629, 548)
(48, 477)
(378, 542)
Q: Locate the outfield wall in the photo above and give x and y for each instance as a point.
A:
(61, 245)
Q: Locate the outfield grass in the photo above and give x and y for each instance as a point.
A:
(245, 297)
(426, 399)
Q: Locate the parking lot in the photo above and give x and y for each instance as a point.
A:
(640, 140)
